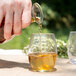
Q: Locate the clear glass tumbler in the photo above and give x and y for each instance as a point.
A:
(42, 52)
(72, 47)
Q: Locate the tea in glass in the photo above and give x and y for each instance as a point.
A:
(42, 52)
(42, 61)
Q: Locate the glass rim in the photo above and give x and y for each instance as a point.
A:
(42, 33)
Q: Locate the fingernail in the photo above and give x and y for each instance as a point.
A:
(25, 25)
(7, 36)
(17, 33)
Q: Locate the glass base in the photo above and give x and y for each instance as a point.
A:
(73, 61)
(51, 70)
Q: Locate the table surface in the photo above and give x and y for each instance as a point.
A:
(17, 65)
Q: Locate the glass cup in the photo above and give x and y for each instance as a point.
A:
(72, 47)
(42, 52)
(37, 16)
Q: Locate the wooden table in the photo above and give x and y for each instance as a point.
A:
(17, 65)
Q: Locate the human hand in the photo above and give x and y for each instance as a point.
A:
(17, 15)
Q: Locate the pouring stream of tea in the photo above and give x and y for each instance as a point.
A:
(37, 16)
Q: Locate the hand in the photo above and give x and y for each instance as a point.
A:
(17, 15)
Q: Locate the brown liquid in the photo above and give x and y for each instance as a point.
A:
(42, 61)
(40, 31)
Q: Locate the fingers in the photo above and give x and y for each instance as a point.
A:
(8, 24)
(1, 16)
(20, 19)
(26, 16)
(17, 20)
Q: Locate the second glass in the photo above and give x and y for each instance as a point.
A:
(72, 47)
(42, 52)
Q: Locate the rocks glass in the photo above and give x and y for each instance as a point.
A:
(42, 52)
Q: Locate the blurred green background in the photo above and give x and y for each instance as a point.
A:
(59, 18)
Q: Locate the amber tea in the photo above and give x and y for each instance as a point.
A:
(42, 61)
